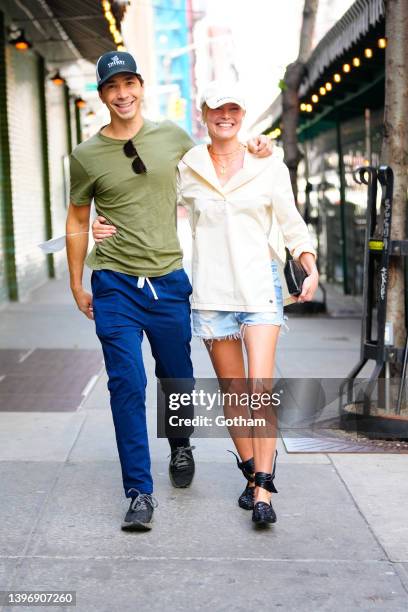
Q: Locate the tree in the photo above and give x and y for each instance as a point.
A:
(290, 92)
(395, 151)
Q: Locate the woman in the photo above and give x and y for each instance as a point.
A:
(239, 207)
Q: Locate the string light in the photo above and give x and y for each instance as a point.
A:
(275, 133)
(109, 16)
(356, 62)
(113, 28)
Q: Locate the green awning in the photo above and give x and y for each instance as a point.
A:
(362, 87)
(66, 30)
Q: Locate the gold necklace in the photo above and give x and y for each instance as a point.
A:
(223, 154)
(224, 166)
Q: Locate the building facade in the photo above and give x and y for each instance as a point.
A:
(40, 123)
(340, 128)
(173, 61)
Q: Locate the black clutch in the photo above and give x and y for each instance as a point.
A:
(294, 275)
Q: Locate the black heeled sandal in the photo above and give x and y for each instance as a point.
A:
(246, 499)
(263, 513)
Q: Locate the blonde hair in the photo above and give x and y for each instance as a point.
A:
(204, 111)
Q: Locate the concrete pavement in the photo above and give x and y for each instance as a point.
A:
(340, 543)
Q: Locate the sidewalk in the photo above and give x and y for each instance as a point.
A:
(340, 543)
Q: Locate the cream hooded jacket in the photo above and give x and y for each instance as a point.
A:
(238, 228)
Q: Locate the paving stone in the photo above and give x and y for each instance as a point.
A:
(10, 358)
(24, 488)
(379, 485)
(197, 584)
(7, 567)
(38, 436)
(96, 442)
(49, 381)
(402, 569)
(317, 518)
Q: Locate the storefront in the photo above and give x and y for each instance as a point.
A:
(39, 124)
(340, 127)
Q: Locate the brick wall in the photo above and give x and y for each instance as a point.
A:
(3, 281)
(6, 219)
(3, 196)
(26, 159)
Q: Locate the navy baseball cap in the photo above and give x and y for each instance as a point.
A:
(113, 63)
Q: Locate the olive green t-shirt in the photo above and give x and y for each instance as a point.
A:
(141, 206)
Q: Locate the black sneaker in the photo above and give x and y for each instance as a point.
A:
(140, 514)
(182, 467)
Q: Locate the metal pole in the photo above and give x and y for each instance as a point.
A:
(342, 208)
(403, 378)
(45, 160)
(367, 122)
(78, 124)
(68, 117)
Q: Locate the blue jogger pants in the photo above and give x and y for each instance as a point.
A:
(125, 306)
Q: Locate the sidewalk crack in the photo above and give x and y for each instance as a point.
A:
(371, 530)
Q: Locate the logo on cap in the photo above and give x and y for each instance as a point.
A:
(115, 61)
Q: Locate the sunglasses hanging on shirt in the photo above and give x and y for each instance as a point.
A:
(129, 150)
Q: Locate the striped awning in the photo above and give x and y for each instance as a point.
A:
(355, 23)
(66, 30)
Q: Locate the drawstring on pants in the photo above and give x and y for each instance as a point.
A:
(141, 282)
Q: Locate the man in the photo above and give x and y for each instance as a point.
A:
(138, 282)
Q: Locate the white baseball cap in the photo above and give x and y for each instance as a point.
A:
(218, 93)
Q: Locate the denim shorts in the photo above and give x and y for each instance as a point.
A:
(218, 324)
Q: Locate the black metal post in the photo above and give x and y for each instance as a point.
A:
(342, 209)
(68, 117)
(45, 160)
(78, 125)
